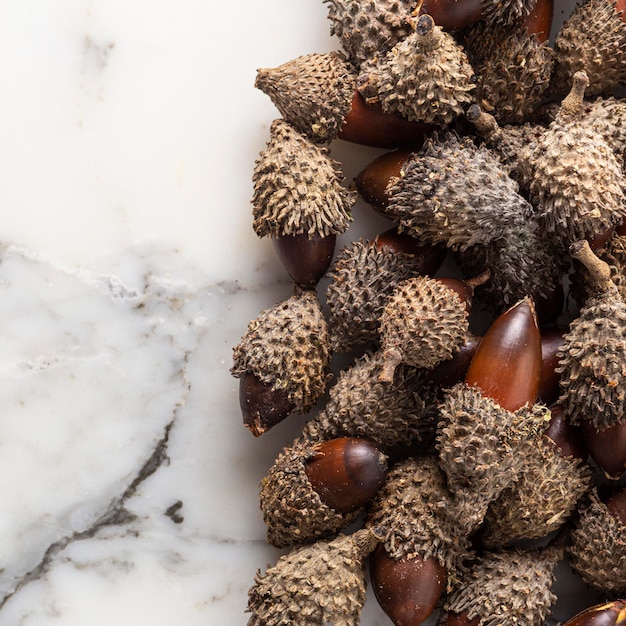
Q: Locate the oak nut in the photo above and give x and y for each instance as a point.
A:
(605, 614)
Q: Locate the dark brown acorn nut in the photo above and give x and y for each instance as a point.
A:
(454, 370)
(346, 472)
(607, 447)
(551, 341)
(453, 14)
(606, 614)
(507, 364)
(616, 504)
(567, 439)
(306, 258)
(449, 618)
(539, 21)
(408, 590)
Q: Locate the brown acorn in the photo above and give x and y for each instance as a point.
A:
(314, 585)
(607, 447)
(448, 373)
(306, 258)
(605, 614)
(551, 341)
(287, 351)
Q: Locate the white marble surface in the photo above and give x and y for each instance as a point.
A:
(128, 270)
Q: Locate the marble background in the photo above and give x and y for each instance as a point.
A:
(128, 270)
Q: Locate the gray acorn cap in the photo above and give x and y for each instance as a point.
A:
(297, 188)
(288, 347)
(313, 92)
(314, 585)
(292, 510)
(597, 547)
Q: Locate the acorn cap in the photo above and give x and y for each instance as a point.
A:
(593, 39)
(455, 193)
(297, 188)
(541, 500)
(506, 12)
(608, 118)
(361, 279)
(577, 184)
(292, 510)
(592, 358)
(414, 506)
(314, 585)
(359, 405)
(423, 323)
(288, 346)
(598, 547)
(508, 588)
(513, 70)
(425, 78)
(369, 28)
(313, 92)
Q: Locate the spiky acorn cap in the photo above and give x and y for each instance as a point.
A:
(592, 358)
(608, 117)
(292, 510)
(359, 405)
(297, 188)
(540, 501)
(288, 347)
(314, 585)
(414, 507)
(425, 78)
(506, 12)
(597, 547)
(478, 440)
(313, 92)
(455, 193)
(423, 323)
(508, 588)
(593, 39)
(361, 279)
(577, 185)
(368, 28)
(513, 70)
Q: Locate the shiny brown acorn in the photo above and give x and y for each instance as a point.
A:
(426, 260)
(605, 614)
(607, 447)
(551, 341)
(306, 258)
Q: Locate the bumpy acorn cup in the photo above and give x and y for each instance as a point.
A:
(605, 614)
(282, 360)
(314, 585)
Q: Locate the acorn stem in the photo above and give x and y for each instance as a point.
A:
(391, 359)
(481, 279)
(599, 270)
(572, 104)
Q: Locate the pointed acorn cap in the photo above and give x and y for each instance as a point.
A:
(608, 118)
(313, 92)
(506, 12)
(425, 78)
(597, 549)
(389, 415)
(592, 358)
(314, 585)
(593, 39)
(293, 511)
(297, 188)
(288, 347)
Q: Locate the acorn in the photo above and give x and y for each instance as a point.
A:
(426, 77)
(592, 359)
(314, 585)
(313, 491)
(400, 414)
(607, 447)
(452, 371)
(505, 588)
(605, 614)
(287, 349)
(598, 543)
(306, 258)
(592, 39)
(551, 341)
(577, 183)
(362, 277)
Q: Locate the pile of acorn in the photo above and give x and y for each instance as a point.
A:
(460, 466)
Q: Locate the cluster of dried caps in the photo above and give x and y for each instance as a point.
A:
(462, 466)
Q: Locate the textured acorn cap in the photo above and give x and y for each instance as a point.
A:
(292, 510)
(455, 193)
(297, 188)
(361, 279)
(425, 78)
(608, 118)
(506, 12)
(513, 70)
(314, 585)
(367, 28)
(597, 547)
(592, 358)
(577, 185)
(288, 347)
(593, 39)
(389, 415)
(508, 588)
(313, 92)
(414, 507)
(542, 499)
(423, 323)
